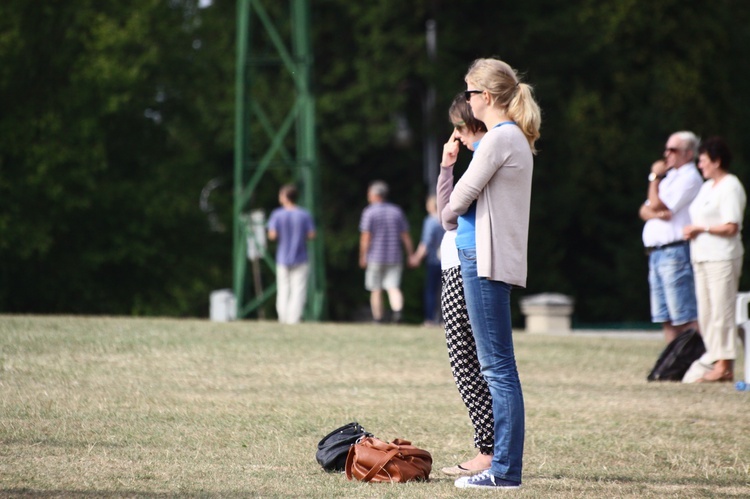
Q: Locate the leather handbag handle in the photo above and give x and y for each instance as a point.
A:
(379, 466)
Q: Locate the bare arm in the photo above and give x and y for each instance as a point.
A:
(646, 212)
(723, 230)
(658, 168)
(408, 245)
(654, 201)
(364, 246)
(418, 255)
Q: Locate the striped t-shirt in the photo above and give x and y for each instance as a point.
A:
(385, 222)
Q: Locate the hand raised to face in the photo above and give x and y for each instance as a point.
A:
(450, 150)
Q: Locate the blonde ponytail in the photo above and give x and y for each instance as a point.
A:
(524, 110)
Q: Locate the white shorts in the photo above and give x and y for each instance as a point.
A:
(383, 276)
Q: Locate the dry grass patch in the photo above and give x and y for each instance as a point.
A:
(149, 407)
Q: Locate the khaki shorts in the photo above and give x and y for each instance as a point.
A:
(383, 276)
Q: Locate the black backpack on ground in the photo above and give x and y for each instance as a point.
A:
(334, 447)
(677, 357)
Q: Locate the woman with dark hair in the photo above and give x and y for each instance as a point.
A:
(462, 349)
(716, 253)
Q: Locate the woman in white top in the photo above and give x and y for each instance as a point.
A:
(716, 253)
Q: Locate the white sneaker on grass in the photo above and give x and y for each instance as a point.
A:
(485, 480)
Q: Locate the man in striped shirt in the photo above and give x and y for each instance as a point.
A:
(383, 229)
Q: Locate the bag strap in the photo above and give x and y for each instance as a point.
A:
(409, 450)
(416, 453)
(380, 464)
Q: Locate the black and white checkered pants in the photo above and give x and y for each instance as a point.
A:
(462, 352)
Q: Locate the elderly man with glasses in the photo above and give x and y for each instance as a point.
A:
(672, 186)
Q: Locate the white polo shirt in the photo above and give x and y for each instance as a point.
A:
(677, 190)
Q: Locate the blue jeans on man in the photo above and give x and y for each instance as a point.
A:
(488, 304)
(670, 278)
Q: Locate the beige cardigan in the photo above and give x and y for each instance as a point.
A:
(499, 178)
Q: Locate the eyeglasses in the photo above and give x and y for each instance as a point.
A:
(672, 150)
(467, 93)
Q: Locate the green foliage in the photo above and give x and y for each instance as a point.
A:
(115, 116)
(104, 148)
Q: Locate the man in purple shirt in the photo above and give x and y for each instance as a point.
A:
(383, 229)
(292, 226)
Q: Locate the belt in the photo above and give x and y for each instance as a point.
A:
(651, 249)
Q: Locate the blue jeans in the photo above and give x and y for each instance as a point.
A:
(670, 278)
(488, 304)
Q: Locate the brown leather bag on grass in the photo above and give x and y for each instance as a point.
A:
(372, 460)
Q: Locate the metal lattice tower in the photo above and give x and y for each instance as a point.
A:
(262, 145)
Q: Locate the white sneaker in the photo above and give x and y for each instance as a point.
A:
(461, 482)
(485, 480)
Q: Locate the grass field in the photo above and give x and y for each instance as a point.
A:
(127, 407)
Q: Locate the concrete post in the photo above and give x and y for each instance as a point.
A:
(547, 313)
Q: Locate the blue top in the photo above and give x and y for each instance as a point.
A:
(466, 233)
(432, 235)
(292, 227)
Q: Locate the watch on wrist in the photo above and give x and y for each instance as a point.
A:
(653, 176)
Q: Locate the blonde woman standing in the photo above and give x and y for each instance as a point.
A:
(493, 199)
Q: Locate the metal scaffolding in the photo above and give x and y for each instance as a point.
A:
(261, 142)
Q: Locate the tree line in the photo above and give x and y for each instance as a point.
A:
(115, 118)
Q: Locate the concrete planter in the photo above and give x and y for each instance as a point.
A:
(547, 313)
